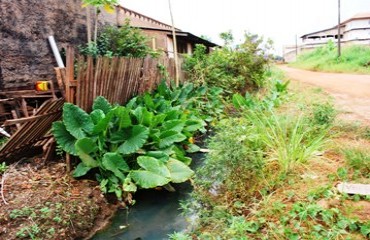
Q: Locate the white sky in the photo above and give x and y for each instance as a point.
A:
(280, 20)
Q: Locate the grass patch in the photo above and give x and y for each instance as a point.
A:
(354, 59)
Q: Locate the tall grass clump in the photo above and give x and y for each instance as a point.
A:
(289, 140)
(354, 59)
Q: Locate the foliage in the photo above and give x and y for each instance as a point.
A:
(140, 145)
(354, 58)
(323, 114)
(290, 140)
(359, 161)
(106, 4)
(233, 70)
(3, 167)
(227, 37)
(273, 98)
(125, 41)
(203, 102)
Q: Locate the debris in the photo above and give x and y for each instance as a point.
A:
(354, 188)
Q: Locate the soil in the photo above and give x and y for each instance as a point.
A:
(46, 203)
(350, 91)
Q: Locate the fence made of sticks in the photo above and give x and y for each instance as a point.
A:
(117, 79)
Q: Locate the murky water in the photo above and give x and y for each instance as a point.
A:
(155, 215)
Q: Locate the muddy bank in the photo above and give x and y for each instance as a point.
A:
(47, 204)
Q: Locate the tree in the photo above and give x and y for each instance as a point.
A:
(108, 6)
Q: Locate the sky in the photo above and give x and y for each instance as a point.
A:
(279, 20)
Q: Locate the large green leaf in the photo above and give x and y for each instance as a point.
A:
(175, 125)
(64, 139)
(143, 116)
(173, 114)
(77, 121)
(115, 163)
(153, 165)
(168, 138)
(97, 115)
(185, 92)
(128, 185)
(194, 125)
(160, 155)
(179, 171)
(158, 119)
(103, 123)
(147, 179)
(81, 170)
(148, 100)
(135, 139)
(102, 104)
(155, 173)
(85, 147)
(123, 115)
(180, 154)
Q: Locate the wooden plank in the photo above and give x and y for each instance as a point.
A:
(60, 80)
(11, 122)
(15, 116)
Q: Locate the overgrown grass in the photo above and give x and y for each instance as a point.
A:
(289, 139)
(354, 59)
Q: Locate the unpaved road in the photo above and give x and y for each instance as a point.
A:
(351, 91)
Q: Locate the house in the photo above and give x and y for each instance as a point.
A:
(159, 33)
(26, 56)
(355, 30)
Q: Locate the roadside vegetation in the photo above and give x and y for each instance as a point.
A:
(271, 171)
(354, 59)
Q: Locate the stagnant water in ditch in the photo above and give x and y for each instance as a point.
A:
(154, 216)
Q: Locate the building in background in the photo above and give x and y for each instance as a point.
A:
(159, 33)
(355, 30)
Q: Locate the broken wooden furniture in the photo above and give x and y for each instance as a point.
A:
(34, 131)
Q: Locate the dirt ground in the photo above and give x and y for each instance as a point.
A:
(45, 203)
(351, 91)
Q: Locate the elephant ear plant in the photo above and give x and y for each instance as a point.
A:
(128, 147)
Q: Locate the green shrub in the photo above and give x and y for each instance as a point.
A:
(233, 70)
(125, 41)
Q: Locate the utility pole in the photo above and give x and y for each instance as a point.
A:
(174, 47)
(296, 47)
(339, 35)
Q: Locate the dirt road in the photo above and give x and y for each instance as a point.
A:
(351, 92)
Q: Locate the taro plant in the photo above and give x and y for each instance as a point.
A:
(204, 103)
(274, 98)
(129, 147)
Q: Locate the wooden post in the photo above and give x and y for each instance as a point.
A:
(174, 47)
(339, 40)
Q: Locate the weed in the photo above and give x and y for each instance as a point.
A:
(3, 167)
(179, 236)
(323, 114)
(359, 161)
